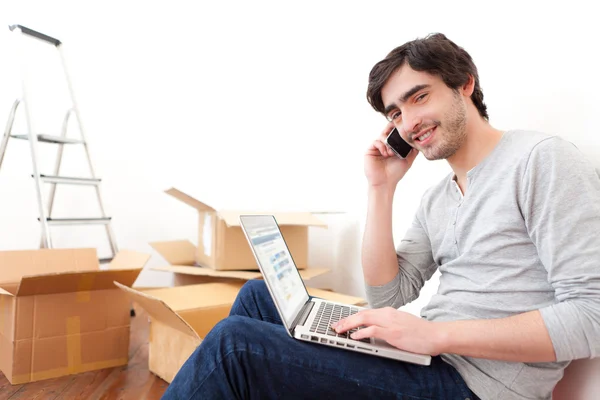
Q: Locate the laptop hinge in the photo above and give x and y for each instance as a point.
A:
(303, 314)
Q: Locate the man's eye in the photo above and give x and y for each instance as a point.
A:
(421, 97)
(395, 115)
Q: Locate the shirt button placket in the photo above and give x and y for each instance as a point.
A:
(454, 224)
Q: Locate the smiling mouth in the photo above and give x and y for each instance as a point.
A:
(425, 135)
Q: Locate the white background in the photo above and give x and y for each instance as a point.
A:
(262, 105)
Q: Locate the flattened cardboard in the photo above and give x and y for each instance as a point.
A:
(336, 297)
(182, 316)
(243, 275)
(180, 254)
(60, 314)
(221, 241)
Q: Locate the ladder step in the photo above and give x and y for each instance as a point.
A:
(69, 180)
(51, 139)
(105, 260)
(78, 221)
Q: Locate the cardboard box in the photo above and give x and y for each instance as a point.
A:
(223, 246)
(180, 254)
(180, 317)
(60, 314)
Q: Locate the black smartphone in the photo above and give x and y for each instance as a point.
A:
(397, 144)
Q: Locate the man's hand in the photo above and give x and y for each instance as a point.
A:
(520, 338)
(382, 166)
(398, 328)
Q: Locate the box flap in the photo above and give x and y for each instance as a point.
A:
(68, 282)
(176, 252)
(203, 271)
(232, 218)
(16, 264)
(337, 297)
(307, 273)
(127, 259)
(192, 297)
(5, 292)
(159, 310)
(189, 200)
(310, 273)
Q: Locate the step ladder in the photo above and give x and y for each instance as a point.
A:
(22, 33)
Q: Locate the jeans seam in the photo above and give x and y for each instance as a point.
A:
(295, 365)
(248, 314)
(209, 374)
(263, 318)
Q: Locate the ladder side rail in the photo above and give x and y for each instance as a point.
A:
(8, 129)
(109, 231)
(33, 143)
(58, 162)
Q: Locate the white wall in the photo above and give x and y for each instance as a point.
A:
(262, 105)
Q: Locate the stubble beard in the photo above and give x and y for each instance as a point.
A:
(455, 129)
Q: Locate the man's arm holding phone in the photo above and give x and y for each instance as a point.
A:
(383, 170)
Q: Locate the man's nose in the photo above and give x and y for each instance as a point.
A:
(411, 123)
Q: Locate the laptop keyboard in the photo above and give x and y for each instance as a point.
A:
(328, 314)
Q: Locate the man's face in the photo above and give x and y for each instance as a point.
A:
(429, 115)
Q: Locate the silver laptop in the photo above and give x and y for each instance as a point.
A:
(307, 318)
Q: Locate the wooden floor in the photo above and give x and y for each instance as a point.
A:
(130, 382)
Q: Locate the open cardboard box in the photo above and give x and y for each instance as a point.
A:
(223, 246)
(180, 254)
(182, 316)
(60, 314)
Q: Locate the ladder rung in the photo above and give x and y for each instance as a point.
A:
(51, 139)
(69, 180)
(78, 221)
(105, 260)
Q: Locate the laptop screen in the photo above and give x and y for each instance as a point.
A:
(276, 264)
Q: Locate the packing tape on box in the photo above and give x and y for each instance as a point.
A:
(84, 288)
(73, 344)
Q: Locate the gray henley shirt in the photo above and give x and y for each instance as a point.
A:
(526, 236)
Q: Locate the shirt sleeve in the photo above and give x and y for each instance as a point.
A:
(415, 267)
(561, 208)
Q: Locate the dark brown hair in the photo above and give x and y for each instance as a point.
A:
(434, 54)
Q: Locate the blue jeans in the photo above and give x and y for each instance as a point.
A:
(249, 355)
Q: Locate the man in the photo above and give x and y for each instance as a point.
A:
(513, 230)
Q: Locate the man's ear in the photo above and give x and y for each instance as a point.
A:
(468, 88)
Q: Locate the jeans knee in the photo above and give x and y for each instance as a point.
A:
(228, 334)
(253, 287)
